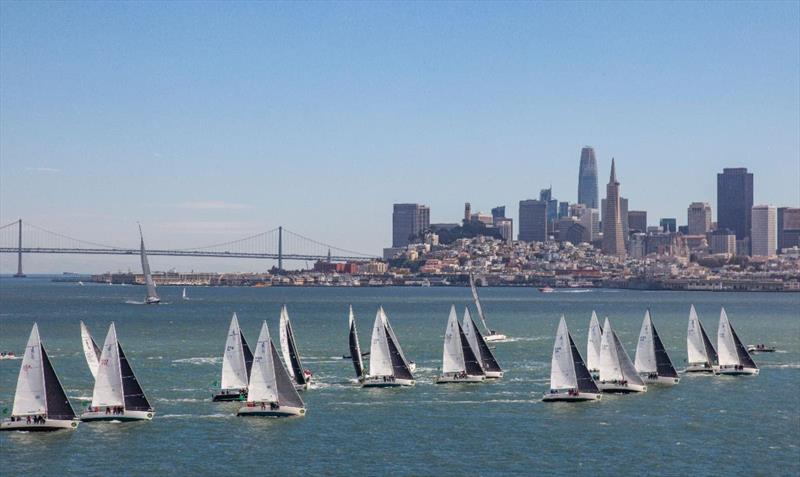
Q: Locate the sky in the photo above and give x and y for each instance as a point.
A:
(211, 121)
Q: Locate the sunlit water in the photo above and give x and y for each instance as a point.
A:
(703, 426)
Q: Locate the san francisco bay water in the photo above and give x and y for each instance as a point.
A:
(703, 426)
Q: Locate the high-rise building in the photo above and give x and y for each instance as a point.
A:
(409, 222)
(723, 241)
(587, 179)
(546, 195)
(637, 221)
(699, 218)
(532, 221)
(499, 212)
(763, 236)
(623, 213)
(788, 227)
(563, 209)
(668, 225)
(506, 229)
(735, 201)
(613, 240)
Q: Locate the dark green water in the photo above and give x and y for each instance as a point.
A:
(703, 426)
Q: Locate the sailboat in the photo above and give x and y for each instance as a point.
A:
(491, 335)
(152, 297)
(734, 359)
(569, 378)
(117, 394)
(40, 403)
(701, 356)
(459, 362)
(270, 391)
(652, 361)
(388, 366)
(184, 296)
(593, 346)
(490, 366)
(617, 373)
(237, 362)
(90, 350)
(355, 347)
(300, 377)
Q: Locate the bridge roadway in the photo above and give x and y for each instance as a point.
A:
(180, 253)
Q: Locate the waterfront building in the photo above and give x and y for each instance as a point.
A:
(637, 221)
(723, 241)
(788, 227)
(669, 225)
(763, 236)
(409, 222)
(735, 201)
(532, 221)
(699, 218)
(613, 240)
(587, 179)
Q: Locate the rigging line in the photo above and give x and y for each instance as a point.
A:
(232, 242)
(9, 224)
(113, 247)
(322, 244)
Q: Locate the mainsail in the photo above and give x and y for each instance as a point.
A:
(586, 383)
(90, 350)
(108, 390)
(615, 365)
(58, 406)
(399, 362)
(477, 300)
(453, 357)
(380, 361)
(234, 366)
(287, 394)
(152, 296)
(289, 349)
(731, 350)
(651, 357)
(478, 344)
(593, 344)
(30, 397)
(263, 386)
(355, 347)
(562, 367)
(698, 345)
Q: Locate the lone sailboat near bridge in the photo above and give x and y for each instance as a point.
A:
(152, 297)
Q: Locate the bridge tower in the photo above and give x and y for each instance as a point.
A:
(280, 249)
(19, 273)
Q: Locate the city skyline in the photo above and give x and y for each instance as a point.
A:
(208, 145)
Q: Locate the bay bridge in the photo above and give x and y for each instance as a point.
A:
(276, 244)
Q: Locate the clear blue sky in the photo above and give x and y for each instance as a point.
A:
(212, 121)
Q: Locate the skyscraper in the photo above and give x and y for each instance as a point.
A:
(587, 179)
(409, 222)
(623, 213)
(763, 237)
(699, 218)
(669, 224)
(563, 209)
(735, 201)
(546, 196)
(637, 220)
(613, 240)
(532, 221)
(788, 227)
(499, 212)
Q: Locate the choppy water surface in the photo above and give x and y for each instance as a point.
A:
(705, 425)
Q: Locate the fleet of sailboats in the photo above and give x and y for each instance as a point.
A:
(388, 366)
(40, 403)
(734, 359)
(617, 372)
(491, 335)
(652, 361)
(701, 355)
(237, 362)
(460, 364)
(570, 380)
(301, 377)
(152, 297)
(117, 394)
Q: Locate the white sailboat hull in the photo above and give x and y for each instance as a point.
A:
(386, 382)
(495, 337)
(732, 370)
(446, 379)
(152, 301)
(47, 426)
(661, 380)
(126, 416)
(570, 397)
(494, 374)
(612, 387)
(265, 410)
(701, 368)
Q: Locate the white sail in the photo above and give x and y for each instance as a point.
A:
(31, 395)
(234, 368)
(477, 302)
(183, 294)
(284, 339)
(593, 343)
(263, 386)
(471, 333)
(108, 383)
(615, 365)
(393, 337)
(89, 350)
(453, 355)
(152, 296)
(695, 348)
(562, 366)
(726, 346)
(380, 362)
(645, 361)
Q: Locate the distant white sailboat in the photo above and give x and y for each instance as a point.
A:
(459, 363)
(617, 373)
(652, 361)
(355, 347)
(388, 366)
(270, 392)
(593, 346)
(491, 335)
(300, 377)
(117, 394)
(184, 296)
(237, 362)
(570, 380)
(701, 355)
(90, 350)
(734, 359)
(40, 403)
(152, 297)
(478, 344)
